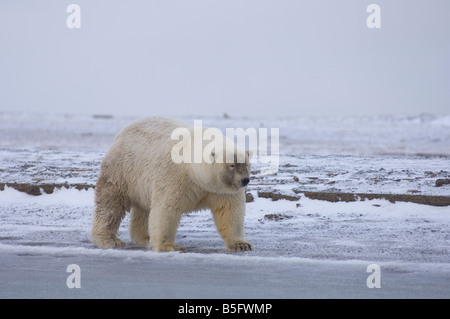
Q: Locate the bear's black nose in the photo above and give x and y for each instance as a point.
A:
(245, 181)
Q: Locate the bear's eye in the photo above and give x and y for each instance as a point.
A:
(231, 165)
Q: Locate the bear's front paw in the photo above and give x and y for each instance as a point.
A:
(168, 247)
(141, 241)
(240, 245)
(107, 242)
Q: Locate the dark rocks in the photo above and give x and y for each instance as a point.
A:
(443, 181)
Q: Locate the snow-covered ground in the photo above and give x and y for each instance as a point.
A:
(303, 247)
(424, 134)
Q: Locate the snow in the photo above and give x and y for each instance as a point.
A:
(304, 248)
(424, 134)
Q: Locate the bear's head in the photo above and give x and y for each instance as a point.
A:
(223, 173)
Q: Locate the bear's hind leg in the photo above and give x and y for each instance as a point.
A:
(139, 226)
(109, 211)
(105, 227)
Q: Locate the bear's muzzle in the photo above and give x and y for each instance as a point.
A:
(245, 181)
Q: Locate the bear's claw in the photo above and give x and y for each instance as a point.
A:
(239, 246)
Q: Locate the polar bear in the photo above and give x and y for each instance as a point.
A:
(139, 173)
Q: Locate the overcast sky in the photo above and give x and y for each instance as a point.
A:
(242, 57)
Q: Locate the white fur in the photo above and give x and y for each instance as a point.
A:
(138, 174)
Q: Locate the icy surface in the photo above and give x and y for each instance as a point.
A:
(302, 247)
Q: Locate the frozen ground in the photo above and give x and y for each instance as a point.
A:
(303, 247)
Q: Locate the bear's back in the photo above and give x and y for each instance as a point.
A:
(151, 128)
(141, 156)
